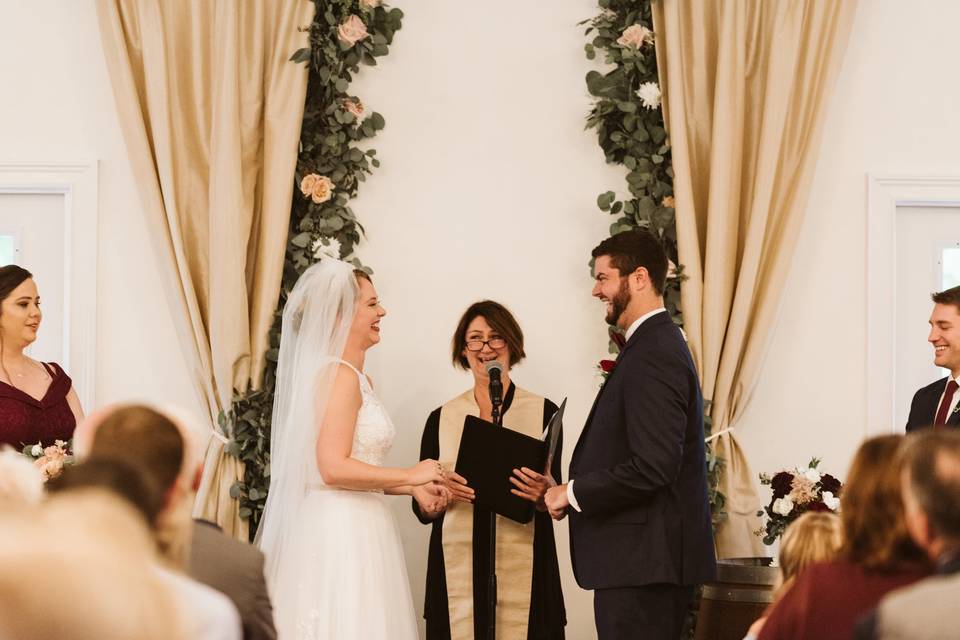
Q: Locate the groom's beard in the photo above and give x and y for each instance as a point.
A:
(619, 303)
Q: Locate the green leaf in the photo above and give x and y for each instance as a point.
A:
(301, 55)
(300, 240)
(377, 121)
(341, 85)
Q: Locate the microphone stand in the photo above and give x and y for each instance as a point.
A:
(496, 397)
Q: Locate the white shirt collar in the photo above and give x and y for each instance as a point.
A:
(639, 321)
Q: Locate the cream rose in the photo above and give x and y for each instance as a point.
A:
(635, 36)
(352, 31)
(355, 107)
(307, 184)
(783, 506)
(370, 4)
(322, 190)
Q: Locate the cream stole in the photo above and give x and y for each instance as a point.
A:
(514, 540)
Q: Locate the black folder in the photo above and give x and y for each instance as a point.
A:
(488, 455)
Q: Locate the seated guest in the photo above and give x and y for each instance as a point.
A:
(82, 566)
(876, 557)
(200, 548)
(116, 476)
(931, 496)
(37, 400)
(936, 403)
(154, 444)
(811, 538)
(530, 599)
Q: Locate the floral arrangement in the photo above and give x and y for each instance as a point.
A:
(331, 166)
(796, 492)
(50, 460)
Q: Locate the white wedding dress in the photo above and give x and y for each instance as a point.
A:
(351, 579)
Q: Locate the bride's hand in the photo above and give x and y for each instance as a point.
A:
(432, 498)
(425, 471)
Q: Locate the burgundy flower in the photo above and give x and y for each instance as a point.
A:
(817, 506)
(782, 484)
(607, 366)
(829, 483)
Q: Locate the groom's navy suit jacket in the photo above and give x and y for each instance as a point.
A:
(639, 471)
(923, 408)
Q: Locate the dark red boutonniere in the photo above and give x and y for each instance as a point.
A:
(605, 367)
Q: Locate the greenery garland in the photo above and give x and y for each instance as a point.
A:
(330, 168)
(629, 122)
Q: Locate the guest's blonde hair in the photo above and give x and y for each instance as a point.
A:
(82, 566)
(813, 537)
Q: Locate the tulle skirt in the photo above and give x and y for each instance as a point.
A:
(346, 578)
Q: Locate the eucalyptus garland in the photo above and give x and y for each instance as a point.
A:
(330, 167)
(627, 117)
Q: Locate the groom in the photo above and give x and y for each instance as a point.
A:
(640, 533)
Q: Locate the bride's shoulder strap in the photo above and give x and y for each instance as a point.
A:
(364, 382)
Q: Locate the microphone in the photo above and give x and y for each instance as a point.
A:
(494, 369)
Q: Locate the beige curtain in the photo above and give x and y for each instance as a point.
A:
(211, 109)
(745, 86)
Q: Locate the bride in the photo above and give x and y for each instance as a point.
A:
(334, 560)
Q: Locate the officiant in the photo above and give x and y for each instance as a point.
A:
(530, 598)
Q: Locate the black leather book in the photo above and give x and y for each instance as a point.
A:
(488, 455)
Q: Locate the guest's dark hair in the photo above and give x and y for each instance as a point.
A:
(875, 534)
(948, 296)
(11, 277)
(118, 477)
(932, 460)
(630, 250)
(145, 438)
(500, 320)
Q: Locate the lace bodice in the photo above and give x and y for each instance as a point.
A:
(374, 433)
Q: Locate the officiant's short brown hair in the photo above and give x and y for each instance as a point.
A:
(500, 320)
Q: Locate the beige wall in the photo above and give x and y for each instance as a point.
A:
(487, 190)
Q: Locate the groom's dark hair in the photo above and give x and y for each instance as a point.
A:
(630, 250)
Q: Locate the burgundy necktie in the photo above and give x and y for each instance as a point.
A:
(945, 403)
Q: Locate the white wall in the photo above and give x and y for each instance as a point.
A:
(487, 189)
(57, 105)
(894, 110)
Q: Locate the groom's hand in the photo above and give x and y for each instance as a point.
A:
(556, 501)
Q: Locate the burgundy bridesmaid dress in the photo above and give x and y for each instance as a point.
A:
(25, 420)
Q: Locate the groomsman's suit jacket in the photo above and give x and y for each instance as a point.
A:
(926, 401)
(639, 471)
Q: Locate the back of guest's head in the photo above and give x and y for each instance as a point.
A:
(932, 465)
(145, 438)
(20, 480)
(875, 534)
(630, 250)
(500, 320)
(81, 567)
(117, 477)
(813, 537)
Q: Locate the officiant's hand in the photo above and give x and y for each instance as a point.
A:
(457, 486)
(531, 486)
(557, 501)
(432, 498)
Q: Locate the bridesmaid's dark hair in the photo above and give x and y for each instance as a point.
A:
(11, 277)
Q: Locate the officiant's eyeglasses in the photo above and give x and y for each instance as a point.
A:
(493, 343)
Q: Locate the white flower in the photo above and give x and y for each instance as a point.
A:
(37, 450)
(326, 248)
(649, 94)
(783, 506)
(828, 499)
(812, 475)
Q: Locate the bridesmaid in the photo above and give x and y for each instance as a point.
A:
(37, 400)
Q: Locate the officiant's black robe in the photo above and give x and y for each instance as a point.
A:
(547, 616)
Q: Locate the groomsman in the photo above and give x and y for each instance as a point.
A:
(640, 533)
(936, 403)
